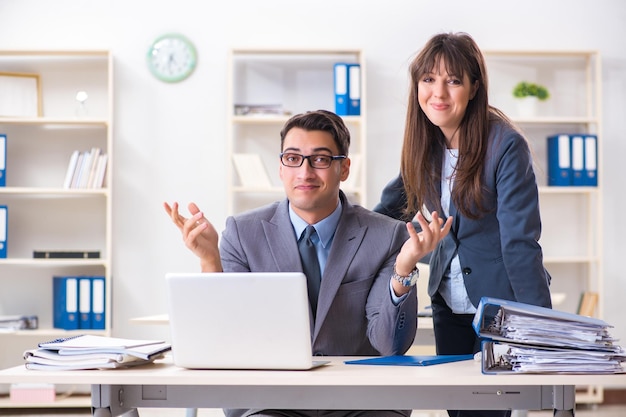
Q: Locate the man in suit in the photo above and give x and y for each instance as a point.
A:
(367, 302)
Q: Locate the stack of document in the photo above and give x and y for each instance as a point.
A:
(524, 338)
(13, 323)
(94, 352)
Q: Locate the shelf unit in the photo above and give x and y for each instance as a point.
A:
(571, 215)
(42, 214)
(294, 81)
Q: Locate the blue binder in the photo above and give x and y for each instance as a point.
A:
(84, 302)
(590, 175)
(98, 298)
(4, 229)
(577, 144)
(559, 160)
(65, 303)
(354, 89)
(3, 160)
(341, 89)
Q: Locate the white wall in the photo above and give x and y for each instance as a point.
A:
(170, 139)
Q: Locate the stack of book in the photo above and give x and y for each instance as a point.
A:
(86, 169)
(524, 338)
(94, 352)
(13, 323)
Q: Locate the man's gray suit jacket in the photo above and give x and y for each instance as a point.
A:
(355, 315)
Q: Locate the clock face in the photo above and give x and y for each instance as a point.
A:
(172, 58)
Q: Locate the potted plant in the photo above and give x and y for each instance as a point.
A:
(526, 89)
(528, 95)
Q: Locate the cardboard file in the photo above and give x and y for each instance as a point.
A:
(251, 171)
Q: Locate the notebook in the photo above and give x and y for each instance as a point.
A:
(246, 320)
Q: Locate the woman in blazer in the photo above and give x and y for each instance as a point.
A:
(463, 158)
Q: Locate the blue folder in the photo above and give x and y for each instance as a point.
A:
(590, 175)
(341, 89)
(65, 302)
(559, 160)
(84, 302)
(97, 302)
(577, 145)
(4, 230)
(354, 90)
(402, 360)
(3, 160)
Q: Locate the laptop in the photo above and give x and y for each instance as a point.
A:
(240, 320)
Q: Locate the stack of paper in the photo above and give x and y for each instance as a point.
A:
(524, 338)
(13, 323)
(94, 352)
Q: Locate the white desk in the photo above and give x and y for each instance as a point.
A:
(457, 385)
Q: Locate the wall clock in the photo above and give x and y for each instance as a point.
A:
(172, 58)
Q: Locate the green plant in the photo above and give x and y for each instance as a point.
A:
(526, 89)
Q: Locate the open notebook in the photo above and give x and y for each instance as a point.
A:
(240, 320)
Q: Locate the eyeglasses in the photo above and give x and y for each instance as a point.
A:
(295, 160)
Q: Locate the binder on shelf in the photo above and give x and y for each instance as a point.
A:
(84, 303)
(559, 160)
(354, 89)
(590, 176)
(341, 89)
(97, 303)
(65, 302)
(4, 229)
(578, 159)
(3, 160)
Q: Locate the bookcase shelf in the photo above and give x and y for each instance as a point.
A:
(292, 81)
(42, 214)
(571, 215)
(61, 401)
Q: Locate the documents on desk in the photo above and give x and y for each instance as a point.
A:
(524, 338)
(94, 352)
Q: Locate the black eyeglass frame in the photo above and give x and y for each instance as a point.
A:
(332, 158)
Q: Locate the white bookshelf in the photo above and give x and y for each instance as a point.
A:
(296, 81)
(42, 214)
(572, 216)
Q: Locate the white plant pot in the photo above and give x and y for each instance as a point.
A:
(527, 107)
